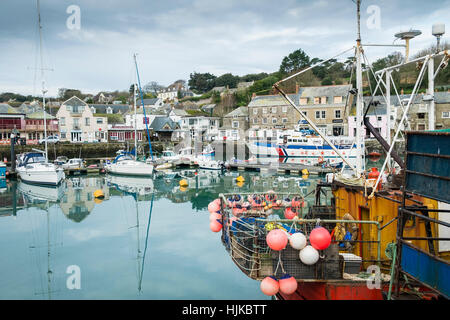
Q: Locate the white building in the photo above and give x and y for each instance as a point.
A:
(77, 123)
(204, 128)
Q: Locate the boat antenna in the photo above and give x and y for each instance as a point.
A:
(359, 97)
(143, 106)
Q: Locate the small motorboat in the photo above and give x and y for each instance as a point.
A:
(75, 163)
(209, 164)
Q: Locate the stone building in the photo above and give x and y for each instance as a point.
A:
(235, 124)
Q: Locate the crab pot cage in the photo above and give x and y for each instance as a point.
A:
(244, 236)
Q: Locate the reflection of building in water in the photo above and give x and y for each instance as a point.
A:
(78, 200)
(10, 200)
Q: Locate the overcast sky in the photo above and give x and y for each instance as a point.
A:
(174, 38)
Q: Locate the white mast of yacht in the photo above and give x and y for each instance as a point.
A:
(42, 77)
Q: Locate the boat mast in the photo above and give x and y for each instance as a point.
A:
(143, 106)
(42, 77)
(359, 97)
(135, 119)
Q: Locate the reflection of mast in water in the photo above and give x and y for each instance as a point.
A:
(146, 242)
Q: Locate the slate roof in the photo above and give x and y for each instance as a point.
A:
(159, 123)
(39, 115)
(74, 101)
(272, 100)
(6, 108)
(116, 108)
(325, 91)
(239, 112)
(147, 102)
(179, 112)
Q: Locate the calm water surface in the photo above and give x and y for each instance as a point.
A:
(147, 239)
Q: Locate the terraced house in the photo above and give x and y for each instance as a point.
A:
(77, 123)
(327, 106)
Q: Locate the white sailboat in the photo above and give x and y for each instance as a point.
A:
(126, 165)
(33, 167)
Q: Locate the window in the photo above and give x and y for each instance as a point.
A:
(145, 120)
(324, 114)
(63, 135)
(255, 120)
(274, 109)
(421, 115)
(92, 109)
(264, 121)
(337, 99)
(316, 100)
(109, 110)
(87, 121)
(323, 100)
(274, 120)
(235, 124)
(284, 109)
(337, 114)
(317, 114)
(99, 120)
(379, 118)
(446, 114)
(304, 100)
(264, 110)
(420, 127)
(62, 121)
(284, 120)
(255, 111)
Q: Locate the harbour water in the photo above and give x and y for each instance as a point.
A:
(146, 242)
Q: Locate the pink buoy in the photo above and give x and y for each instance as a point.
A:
(215, 216)
(288, 284)
(289, 214)
(213, 207)
(270, 286)
(277, 239)
(215, 226)
(320, 238)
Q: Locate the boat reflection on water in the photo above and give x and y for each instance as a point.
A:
(33, 193)
(135, 185)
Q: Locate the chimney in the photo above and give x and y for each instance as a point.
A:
(297, 87)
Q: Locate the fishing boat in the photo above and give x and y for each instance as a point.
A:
(126, 163)
(33, 167)
(382, 235)
(208, 151)
(312, 149)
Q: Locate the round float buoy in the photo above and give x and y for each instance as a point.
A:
(270, 286)
(277, 239)
(99, 194)
(289, 214)
(213, 207)
(297, 240)
(288, 284)
(183, 183)
(240, 184)
(215, 226)
(308, 255)
(305, 172)
(320, 238)
(215, 216)
(240, 179)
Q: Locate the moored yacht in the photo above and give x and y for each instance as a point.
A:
(126, 165)
(33, 167)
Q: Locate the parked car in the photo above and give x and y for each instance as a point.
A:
(50, 139)
(75, 163)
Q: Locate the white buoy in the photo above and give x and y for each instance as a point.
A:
(309, 255)
(297, 240)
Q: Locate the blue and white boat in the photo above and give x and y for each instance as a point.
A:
(298, 147)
